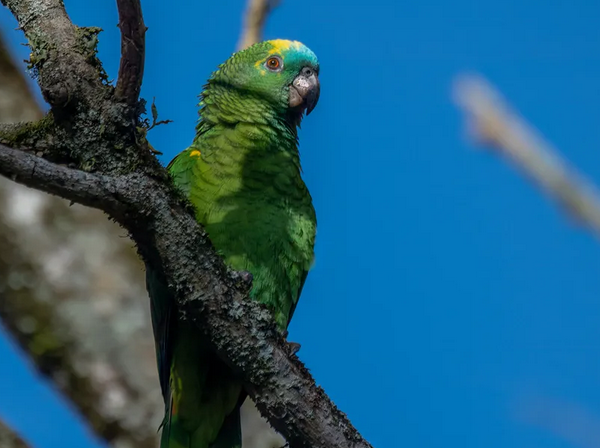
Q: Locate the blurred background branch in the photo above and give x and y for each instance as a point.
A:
(8, 439)
(254, 20)
(72, 295)
(492, 122)
(570, 421)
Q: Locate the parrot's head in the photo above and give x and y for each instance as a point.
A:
(280, 76)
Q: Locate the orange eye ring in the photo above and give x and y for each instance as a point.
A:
(274, 63)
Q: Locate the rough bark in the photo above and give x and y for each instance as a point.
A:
(92, 134)
(254, 20)
(83, 265)
(72, 295)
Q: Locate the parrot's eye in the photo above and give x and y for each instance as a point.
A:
(274, 63)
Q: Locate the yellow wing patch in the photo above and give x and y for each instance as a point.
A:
(195, 153)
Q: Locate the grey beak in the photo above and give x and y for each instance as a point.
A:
(305, 90)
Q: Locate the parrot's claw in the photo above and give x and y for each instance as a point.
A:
(294, 347)
(287, 445)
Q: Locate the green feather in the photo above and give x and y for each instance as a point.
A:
(242, 174)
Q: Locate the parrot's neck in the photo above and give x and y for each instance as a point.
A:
(260, 149)
(223, 107)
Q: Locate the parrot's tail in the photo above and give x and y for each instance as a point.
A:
(175, 435)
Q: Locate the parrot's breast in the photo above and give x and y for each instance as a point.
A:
(273, 240)
(257, 211)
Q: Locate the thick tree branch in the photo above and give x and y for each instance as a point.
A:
(93, 190)
(255, 17)
(73, 294)
(133, 32)
(90, 348)
(129, 184)
(80, 328)
(56, 43)
(496, 125)
(242, 331)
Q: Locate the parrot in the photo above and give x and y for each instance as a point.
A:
(243, 176)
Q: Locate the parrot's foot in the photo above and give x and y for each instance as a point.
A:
(287, 444)
(293, 346)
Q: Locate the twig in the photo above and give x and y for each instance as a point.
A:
(77, 186)
(133, 31)
(496, 125)
(255, 17)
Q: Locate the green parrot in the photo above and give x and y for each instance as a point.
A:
(242, 173)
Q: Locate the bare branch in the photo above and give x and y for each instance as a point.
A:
(129, 184)
(242, 331)
(73, 294)
(133, 32)
(77, 186)
(495, 124)
(53, 38)
(256, 15)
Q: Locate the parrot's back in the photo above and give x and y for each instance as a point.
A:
(242, 174)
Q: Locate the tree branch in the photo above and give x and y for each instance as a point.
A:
(57, 43)
(73, 295)
(495, 124)
(129, 184)
(242, 331)
(133, 32)
(84, 188)
(255, 17)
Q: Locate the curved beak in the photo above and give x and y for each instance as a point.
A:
(305, 90)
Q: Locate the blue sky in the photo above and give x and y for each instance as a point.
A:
(451, 304)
